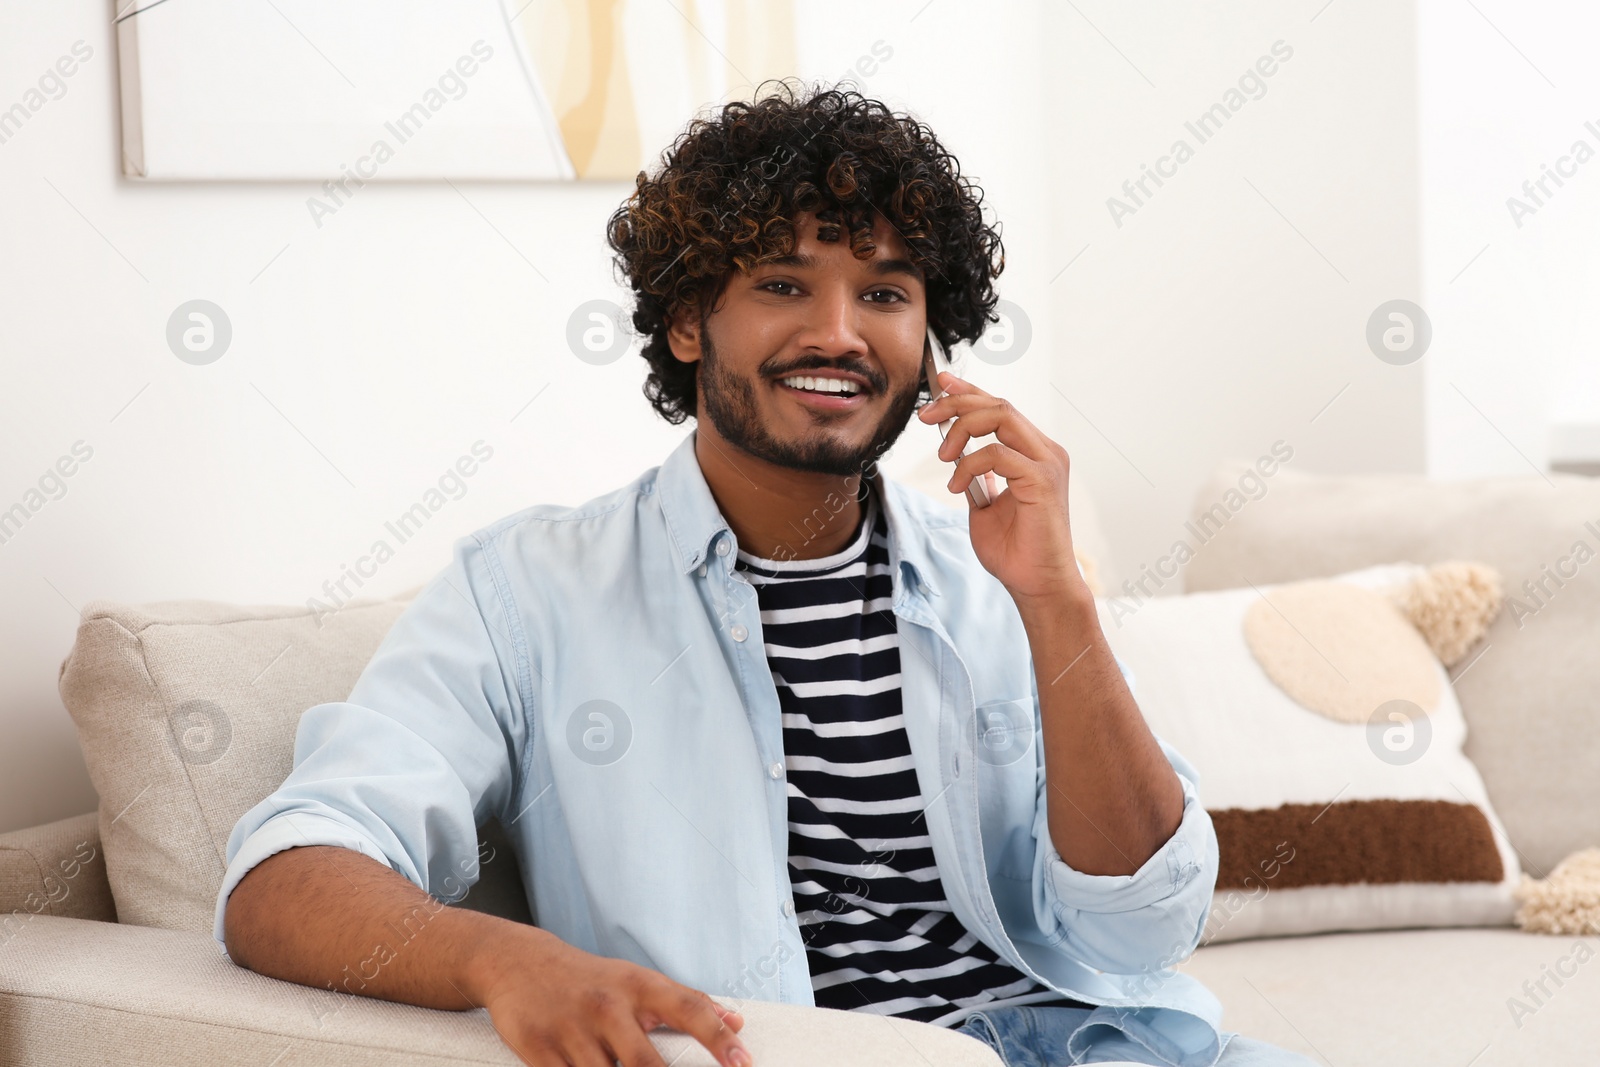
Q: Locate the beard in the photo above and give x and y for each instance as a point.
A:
(730, 406)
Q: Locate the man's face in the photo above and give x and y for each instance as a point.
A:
(820, 314)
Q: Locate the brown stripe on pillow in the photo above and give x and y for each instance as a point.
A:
(1355, 841)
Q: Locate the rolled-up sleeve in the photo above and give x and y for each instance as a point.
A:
(424, 750)
(1130, 923)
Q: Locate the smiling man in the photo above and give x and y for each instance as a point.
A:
(764, 722)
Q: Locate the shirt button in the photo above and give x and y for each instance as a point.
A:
(702, 571)
(722, 548)
(788, 907)
(739, 632)
(775, 771)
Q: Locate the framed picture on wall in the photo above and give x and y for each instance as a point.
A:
(364, 90)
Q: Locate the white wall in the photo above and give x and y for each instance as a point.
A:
(366, 357)
(371, 352)
(1229, 310)
(1507, 91)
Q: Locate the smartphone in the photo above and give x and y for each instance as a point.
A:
(935, 360)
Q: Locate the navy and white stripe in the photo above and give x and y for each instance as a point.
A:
(879, 932)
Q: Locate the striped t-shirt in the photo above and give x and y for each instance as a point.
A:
(879, 932)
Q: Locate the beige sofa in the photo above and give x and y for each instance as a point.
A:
(186, 712)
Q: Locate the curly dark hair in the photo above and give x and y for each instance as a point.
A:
(730, 186)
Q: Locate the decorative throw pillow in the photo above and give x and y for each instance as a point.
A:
(1328, 741)
(186, 712)
(1528, 692)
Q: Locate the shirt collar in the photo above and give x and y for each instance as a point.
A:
(694, 521)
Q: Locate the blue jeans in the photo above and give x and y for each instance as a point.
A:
(1028, 1036)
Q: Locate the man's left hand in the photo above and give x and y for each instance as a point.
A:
(1024, 536)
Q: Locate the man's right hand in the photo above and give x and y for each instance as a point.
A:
(312, 914)
(556, 1005)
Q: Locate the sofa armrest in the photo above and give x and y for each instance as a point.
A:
(73, 992)
(55, 869)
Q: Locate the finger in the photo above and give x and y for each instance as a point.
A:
(957, 404)
(997, 458)
(538, 1054)
(620, 1026)
(951, 387)
(732, 1016)
(1001, 418)
(954, 383)
(545, 1056)
(991, 490)
(583, 1049)
(691, 1012)
(628, 1042)
(956, 438)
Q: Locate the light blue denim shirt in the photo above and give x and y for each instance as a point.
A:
(595, 678)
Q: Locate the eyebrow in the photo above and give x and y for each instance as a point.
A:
(879, 267)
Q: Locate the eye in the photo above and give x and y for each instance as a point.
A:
(776, 281)
(896, 294)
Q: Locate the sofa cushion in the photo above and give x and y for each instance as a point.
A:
(1531, 695)
(75, 992)
(1413, 996)
(186, 712)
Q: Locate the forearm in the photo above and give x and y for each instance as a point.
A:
(331, 917)
(1112, 797)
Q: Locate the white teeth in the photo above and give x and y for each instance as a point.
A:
(823, 385)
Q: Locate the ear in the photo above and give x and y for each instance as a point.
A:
(683, 336)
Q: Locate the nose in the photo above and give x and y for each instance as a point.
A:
(833, 325)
